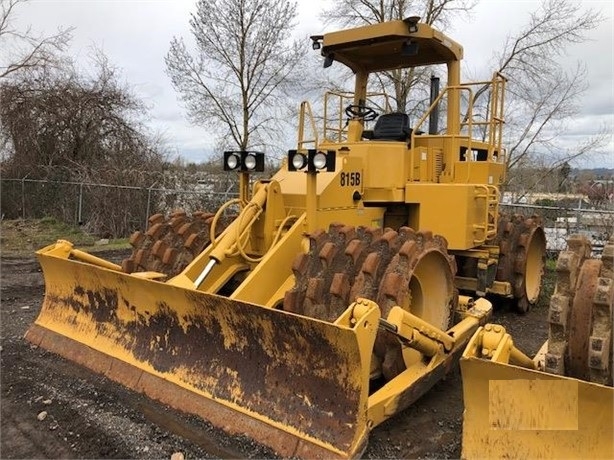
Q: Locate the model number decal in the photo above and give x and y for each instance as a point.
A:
(350, 179)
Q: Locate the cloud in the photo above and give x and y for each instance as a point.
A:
(136, 36)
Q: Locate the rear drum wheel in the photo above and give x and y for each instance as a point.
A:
(522, 255)
(567, 271)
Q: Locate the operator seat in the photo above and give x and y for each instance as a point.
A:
(392, 127)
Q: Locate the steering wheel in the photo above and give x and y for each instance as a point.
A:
(361, 111)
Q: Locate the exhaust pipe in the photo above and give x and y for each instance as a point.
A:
(434, 115)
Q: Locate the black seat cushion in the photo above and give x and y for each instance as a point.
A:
(392, 127)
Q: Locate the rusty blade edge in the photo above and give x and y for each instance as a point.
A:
(230, 421)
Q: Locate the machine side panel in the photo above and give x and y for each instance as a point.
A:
(448, 209)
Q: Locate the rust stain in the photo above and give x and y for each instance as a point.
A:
(297, 377)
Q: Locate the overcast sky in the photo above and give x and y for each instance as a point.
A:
(135, 35)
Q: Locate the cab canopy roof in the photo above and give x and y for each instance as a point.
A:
(389, 45)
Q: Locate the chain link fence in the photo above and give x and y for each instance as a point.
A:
(118, 210)
(106, 209)
(561, 222)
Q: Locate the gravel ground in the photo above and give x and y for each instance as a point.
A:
(52, 408)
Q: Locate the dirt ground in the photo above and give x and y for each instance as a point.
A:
(88, 416)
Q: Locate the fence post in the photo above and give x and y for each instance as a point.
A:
(578, 214)
(148, 205)
(79, 220)
(23, 196)
(227, 192)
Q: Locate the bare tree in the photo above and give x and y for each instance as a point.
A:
(243, 64)
(66, 126)
(63, 124)
(26, 49)
(357, 12)
(409, 86)
(543, 96)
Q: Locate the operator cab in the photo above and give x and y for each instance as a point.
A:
(384, 47)
(466, 150)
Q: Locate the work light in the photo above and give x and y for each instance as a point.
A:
(299, 161)
(313, 161)
(232, 161)
(250, 161)
(319, 160)
(244, 161)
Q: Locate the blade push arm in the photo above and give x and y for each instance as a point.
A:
(235, 232)
(418, 334)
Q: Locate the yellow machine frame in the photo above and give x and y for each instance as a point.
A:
(372, 178)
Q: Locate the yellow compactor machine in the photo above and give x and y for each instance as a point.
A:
(560, 404)
(341, 290)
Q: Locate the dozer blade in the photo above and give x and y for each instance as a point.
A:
(297, 385)
(513, 412)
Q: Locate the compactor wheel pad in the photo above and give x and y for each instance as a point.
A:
(600, 356)
(585, 344)
(567, 270)
(406, 268)
(169, 244)
(325, 275)
(522, 253)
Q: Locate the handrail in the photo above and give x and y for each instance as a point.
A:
(339, 130)
(491, 197)
(306, 107)
(494, 120)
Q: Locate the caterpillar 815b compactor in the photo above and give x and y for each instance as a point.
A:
(341, 291)
(560, 404)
